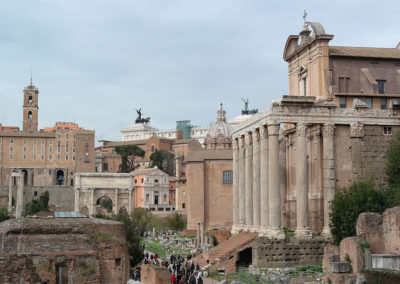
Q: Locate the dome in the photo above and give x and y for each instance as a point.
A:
(219, 136)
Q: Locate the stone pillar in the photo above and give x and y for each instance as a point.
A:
(283, 179)
(10, 190)
(201, 234)
(275, 222)
(302, 228)
(264, 184)
(19, 208)
(329, 177)
(130, 200)
(242, 192)
(249, 181)
(91, 202)
(198, 235)
(115, 206)
(256, 181)
(235, 228)
(76, 191)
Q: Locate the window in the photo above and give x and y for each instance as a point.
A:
(11, 149)
(43, 141)
(58, 136)
(344, 84)
(58, 143)
(50, 157)
(11, 140)
(29, 115)
(147, 197)
(153, 148)
(30, 100)
(34, 141)
(34, 157)
(51, 149)
(35, 193)
(183, 193)
(165, 198)
(343, 102)
(50, 172)
(24, 141)
(105, 167)
(227, 177)
(368, 102)
(156, 180)
(11, 156)
(24, 149)
(66, 158)
(381, 86)
(183, 205)
(24, 156)
(34, 149)
(67, 147)
(135, 180)
(387, 130)
(43, 158)
(42, 149)
(142, 180)
(67, 136)
(73, 158)
(58, 149)
(58, 157)
(51, 142)
(383, 103)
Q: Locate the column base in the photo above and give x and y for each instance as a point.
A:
(263, 232)
(246, 228)
(235, 229)
(254, 229)
(303, 233)
(274, 233)
(326, 232)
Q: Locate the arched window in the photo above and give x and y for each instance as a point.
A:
(153, 149)
(30, 100)
(29, 115)
(227, 177)
(105, 167)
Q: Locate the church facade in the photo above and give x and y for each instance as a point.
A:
(334, 128)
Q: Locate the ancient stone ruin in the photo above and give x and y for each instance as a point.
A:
(75, 250)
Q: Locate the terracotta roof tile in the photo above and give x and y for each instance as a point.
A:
(372, 52)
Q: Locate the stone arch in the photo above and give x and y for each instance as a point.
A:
(104, 205)
(85, 210)
(123, 210)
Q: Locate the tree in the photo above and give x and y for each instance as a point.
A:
(128, 155)
(349, 203)
(38, 205)
(392, 168)
(176, 222)
(144, 219)
(4, 215)
(164, 160)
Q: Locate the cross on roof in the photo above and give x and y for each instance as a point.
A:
(305, 17)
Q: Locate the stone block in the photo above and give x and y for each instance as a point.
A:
(350, 281)
(329, 250)
(340, 267)
(386, 261)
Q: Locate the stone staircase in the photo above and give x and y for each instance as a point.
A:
(226, 249)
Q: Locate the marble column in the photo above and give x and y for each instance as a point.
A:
(264, 185)
(283, 179)
(10, 190)
(19, 208)
(201, 234)
(115, 207)
(275, 222)
(235, 206)
(329, 177)
(91, 202)
(249, 180)
(130, 200)
(302, 228)
(242, 193)
(198, 235)
(76, 190)
(256, 181)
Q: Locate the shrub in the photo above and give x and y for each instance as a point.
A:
(392, 168)
(176, 222)
(38, 205)
(349, 203)
(4, 215)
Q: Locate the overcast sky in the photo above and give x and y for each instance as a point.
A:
(95, 61)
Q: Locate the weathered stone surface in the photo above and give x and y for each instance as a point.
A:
(331, 254)
(381, 231)
(152, 274)
(288, 253)
(350, 248)
(386, 261)
(340, 267)
(87, 250)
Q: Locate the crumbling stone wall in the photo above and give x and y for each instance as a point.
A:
(381, 231)
(287, 253)
(152, 274)
(18, 269)
(86, 250)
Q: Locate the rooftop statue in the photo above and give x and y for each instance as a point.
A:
(140, 119)
(246, 109)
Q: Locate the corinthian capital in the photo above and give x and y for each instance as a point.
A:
(255, 136)
(241, 142)
(247, 138)
(328, 130)
(273, 129)
(235, 144)
(263, 132)
(301, 129)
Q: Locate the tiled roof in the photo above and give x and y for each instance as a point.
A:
(372, 52)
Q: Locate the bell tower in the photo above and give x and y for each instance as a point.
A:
(30, 108)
